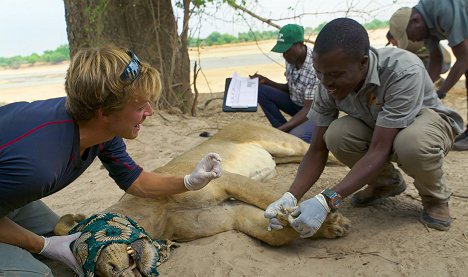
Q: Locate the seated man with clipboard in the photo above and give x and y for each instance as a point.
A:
(296, 96)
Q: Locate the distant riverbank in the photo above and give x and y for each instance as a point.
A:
(42, 81)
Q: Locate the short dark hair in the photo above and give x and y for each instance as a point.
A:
(343, 33)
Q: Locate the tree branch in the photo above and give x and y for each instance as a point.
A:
(265, 20)
(195, 90)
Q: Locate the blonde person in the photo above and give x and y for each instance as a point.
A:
(45, 145)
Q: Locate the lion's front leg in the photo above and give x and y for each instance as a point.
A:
(335, 225)
(250, 220)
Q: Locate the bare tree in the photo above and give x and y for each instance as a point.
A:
(146, 27)
(149, 28)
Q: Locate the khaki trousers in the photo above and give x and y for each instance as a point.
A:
(418, 149)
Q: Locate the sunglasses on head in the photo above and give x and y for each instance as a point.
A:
(132, 70)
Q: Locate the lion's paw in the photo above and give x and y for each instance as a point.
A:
(335, 226)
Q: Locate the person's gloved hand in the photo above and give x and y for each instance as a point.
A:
(207, 169)
(309, 216)
(286, 201)
(58, 248)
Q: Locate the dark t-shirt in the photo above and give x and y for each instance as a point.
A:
(40, 153)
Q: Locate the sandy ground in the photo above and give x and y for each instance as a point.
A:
(385, 240)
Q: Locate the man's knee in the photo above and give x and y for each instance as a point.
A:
(423, 144)
(416, 152)
(15, 261)
(347, 133)
(404, 150)
(333, 136)
(36, 217)
(262, 93)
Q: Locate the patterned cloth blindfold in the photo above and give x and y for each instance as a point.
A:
(101, 230)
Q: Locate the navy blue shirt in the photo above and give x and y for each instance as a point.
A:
(40, 153)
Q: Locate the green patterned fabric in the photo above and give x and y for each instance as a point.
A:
(103, 229)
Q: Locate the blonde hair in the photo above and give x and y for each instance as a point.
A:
(93, 82)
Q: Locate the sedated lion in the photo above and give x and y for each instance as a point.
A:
(235, 201)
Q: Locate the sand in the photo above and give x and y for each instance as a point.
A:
(385, 240)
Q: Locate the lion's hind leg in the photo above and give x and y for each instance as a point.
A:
(230, 215)
(334, 226)
(251, 221)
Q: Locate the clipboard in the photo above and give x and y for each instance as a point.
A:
(231, 109)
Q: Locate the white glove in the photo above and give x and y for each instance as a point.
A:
(58, 248)
(207, 169)
(309, 216)
(286, 201)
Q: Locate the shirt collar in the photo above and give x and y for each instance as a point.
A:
(372, 77)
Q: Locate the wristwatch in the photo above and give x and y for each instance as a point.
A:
(334, 200)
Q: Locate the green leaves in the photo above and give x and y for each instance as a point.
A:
(58, 55)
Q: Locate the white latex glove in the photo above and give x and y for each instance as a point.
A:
(286, 201)
(309, 216)
(207, 169)
(58, 248)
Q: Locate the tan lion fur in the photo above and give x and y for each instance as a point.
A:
(235, 201)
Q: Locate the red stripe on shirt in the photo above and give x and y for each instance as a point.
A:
(34, 130)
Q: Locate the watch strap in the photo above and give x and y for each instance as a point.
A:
(333, 198)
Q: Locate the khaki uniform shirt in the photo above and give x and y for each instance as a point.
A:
(396, 88)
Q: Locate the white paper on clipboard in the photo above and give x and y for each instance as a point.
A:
(242, 92)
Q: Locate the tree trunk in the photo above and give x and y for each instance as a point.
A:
(146, 27)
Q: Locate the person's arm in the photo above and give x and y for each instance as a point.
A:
(265, 81)
(435, 63)
(309, 171)
(299, 118)
(310, 214)
(150, 185)
(312, 164)
(13, 234)
(370, 164)
(459, 67)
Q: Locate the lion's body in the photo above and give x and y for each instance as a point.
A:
(249, 152)
(235, 201)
